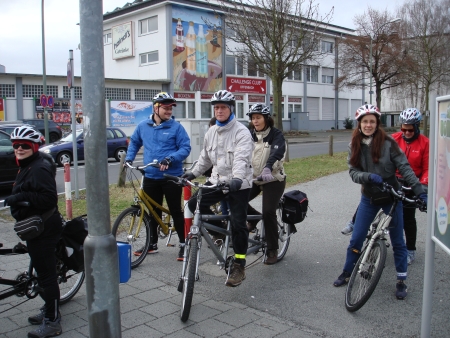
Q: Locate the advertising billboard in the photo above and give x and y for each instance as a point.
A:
(60, 113)
(129, 113)
(197, 50)
(122, 39)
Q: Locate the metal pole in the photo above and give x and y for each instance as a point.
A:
(336, 88)
(44, 78)
(363, 98)
(305, 90)
(370, 74)
(100, 248)
(74, 125)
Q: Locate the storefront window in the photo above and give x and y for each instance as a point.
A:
(180, 110)
(191, 110)
(206, 112)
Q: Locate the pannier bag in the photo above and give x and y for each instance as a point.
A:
(295, 206)
(72, 238)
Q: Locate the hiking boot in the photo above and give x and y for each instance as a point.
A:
(180, 257)
(271, 257)
(251, 226)
(152, 248)
(47, 329)
(401, 290)
(342, 279)
(37, 319)
(411, 256)
(237, 275)
(348, 229)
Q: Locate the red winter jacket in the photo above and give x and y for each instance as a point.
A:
(417, 154)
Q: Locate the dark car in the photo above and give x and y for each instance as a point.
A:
(8, 166)
(62, 151)
(54, 130)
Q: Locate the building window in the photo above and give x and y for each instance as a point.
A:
(253, 69)
(295, 75)
(327, 47)
(294, 108)
(327, 75)
(77, 92)
(38, 90)
(149, 58)
(191, 109)
(179, 112)
(7, 90)
(107, 39)
(145, 94)
(234, 66)
(148, 25)
(240, 110)
(312, 73)
(206, 110)
(118, 93)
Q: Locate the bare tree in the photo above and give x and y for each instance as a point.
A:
(376, 31)
(275, 37)
(426, 31)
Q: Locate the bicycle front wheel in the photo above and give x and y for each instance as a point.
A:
(284, 233)
(128, 229)
(364, 280)
(188, 279)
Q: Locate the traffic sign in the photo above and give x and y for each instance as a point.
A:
(50, 101)
(43, 100)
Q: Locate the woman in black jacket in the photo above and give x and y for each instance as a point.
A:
(35, 183)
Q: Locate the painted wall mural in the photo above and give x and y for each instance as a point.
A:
(197, 50)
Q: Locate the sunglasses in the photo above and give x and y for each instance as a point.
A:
(407, 130)
(24, 146)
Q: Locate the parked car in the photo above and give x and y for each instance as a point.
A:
(54, 130)
(62, 151)
(8, 166)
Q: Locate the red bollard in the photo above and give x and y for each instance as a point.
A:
(68, 189)
(187, 213)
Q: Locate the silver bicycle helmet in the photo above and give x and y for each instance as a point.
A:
(164, 98)
(410, 116)
(26, 133)
(259, 108)
(223, 96)
(366, 110)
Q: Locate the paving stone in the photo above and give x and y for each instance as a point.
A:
(210, 328)
(170, 324)
(135, 318)
(142, 331)
(161, 309)
(131, 303)
(200, 312)
(237, 317)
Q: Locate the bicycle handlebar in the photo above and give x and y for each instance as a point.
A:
(154, 164)
(400, 195)
(184, 182)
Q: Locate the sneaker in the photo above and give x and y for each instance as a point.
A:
(153, 248)
(47, 329)
(348, 229)
(411, 256)
(401, 290)
(180, 257)
(342, 279)
(37, 319)
(237, 275)
(272, 257)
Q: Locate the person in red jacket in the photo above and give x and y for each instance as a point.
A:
(416, 148)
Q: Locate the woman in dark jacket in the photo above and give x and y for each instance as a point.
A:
(35, 183)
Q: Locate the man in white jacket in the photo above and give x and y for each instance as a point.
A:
(228, 148)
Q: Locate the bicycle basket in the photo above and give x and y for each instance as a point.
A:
(295, 206)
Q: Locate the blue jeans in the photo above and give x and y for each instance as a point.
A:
(365, 215)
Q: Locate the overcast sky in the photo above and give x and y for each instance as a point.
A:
(21, 42)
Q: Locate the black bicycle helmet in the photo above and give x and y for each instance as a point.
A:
(259, 108)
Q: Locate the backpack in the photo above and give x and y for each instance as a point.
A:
(72, 238)
(295, 206)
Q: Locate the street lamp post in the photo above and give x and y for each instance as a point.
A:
(44, 79)
(371, 57)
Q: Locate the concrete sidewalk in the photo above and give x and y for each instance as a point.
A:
(294, 298)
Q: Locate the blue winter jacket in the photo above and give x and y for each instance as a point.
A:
(169, 139)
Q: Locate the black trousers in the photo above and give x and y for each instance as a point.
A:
(272, 193)
(42, 254)
(157, 190)
(238, 202)
(410, 226)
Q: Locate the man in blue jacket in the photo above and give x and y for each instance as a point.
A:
(166, 141)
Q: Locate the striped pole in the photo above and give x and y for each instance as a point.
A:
(187, 213)
(68, 190)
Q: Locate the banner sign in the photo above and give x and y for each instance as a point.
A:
(246, 85)
(60, 112)
(122, 39)
(129, 113)
(2, 110)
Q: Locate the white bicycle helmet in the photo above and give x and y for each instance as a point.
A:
(26, 133)
(164, 98)
(366, 110)
(410, 116)
(259, 108)
(223, 96)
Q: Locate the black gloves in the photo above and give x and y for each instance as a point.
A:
(235, 184)
(11, 200)
(188, 176)
(375, 179)
(166, 162)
